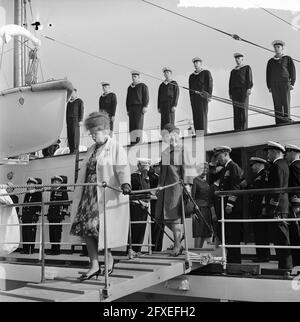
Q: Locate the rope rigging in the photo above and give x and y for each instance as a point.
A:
(233, 36)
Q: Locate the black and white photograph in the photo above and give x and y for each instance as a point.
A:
(149, 154)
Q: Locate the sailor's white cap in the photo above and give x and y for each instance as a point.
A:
(221, 149)
(105, 83)
(166, 69)
(32, 180)
(236, 55)
(292, 147)
(257, 160)
(135, 72)
(59, 178)
(197, 59)
(274, 145)
(278, 42)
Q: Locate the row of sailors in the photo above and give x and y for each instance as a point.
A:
(280, 79)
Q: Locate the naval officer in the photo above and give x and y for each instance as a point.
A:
(293, 158)
(30, 215)
(168, 94)
(240, 84)
(75, 110)
(201, 87)
(56, 213)
(256, 205)
(230, 179)
(277, 204)
(281, 77)
(108, 103)
(137, 101)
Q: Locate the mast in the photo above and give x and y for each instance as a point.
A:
(17, 45)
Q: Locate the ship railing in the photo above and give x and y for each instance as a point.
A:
(240, 193)
(103, 185)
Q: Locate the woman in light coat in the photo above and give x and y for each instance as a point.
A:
(105, 161)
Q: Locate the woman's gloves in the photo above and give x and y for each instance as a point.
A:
(126, 188)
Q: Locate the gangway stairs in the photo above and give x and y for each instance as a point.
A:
(129, 276)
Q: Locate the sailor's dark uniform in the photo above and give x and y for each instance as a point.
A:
(137, 213)
(56, 215)
(256, 205)
(281, 73)
(137, 98)
(230, 179)
(168, 94)
(239, 83)
(278, 207)
(75, 110)
(108, 103)
(30, 215)
(201, 82)
(294, 181)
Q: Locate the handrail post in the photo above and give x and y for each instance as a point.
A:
(187, 256)
(149, 230)
(106, 282)
(43, 239)
(223, 233)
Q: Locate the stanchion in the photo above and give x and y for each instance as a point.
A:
(43, 240)
(223, 233)
(105, 291)
(187, 258)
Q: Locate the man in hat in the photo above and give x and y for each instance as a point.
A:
(293, 158)
(281, 77)
(56, 213)
(277, 204)
(201, 87)
(230, 179)
(138, 208)
(75, 110)
(108, 103)
(137, 101)
(168, 94)
(256, 205)
(30, 215)
(240, 84)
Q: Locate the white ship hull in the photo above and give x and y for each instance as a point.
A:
(32, 117)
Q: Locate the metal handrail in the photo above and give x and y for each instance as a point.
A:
(256, 191)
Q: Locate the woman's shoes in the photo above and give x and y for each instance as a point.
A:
(85, 277)
(176, 251)
(110, 270)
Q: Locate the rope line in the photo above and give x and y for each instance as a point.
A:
(233, 36)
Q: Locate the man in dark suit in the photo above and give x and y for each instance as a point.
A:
(293, 158)
(201, 86)
(75, 110)
(30, 215)
(137, 101)
(230, 179)
(281, 78)
(277, 204)
(56, 213)
(256, 205)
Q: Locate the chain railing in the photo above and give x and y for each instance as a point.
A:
(239, 193)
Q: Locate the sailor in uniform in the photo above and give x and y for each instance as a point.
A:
(256, 205)
(56, 213)
(230, 179)
(281, 77)
(138, 208)
(137, 101)
(201, 87)
(293, 158)
(277, 204)
(30, 215)
(168, 94)
(75, 110)
(240, 84)
(108, 103)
